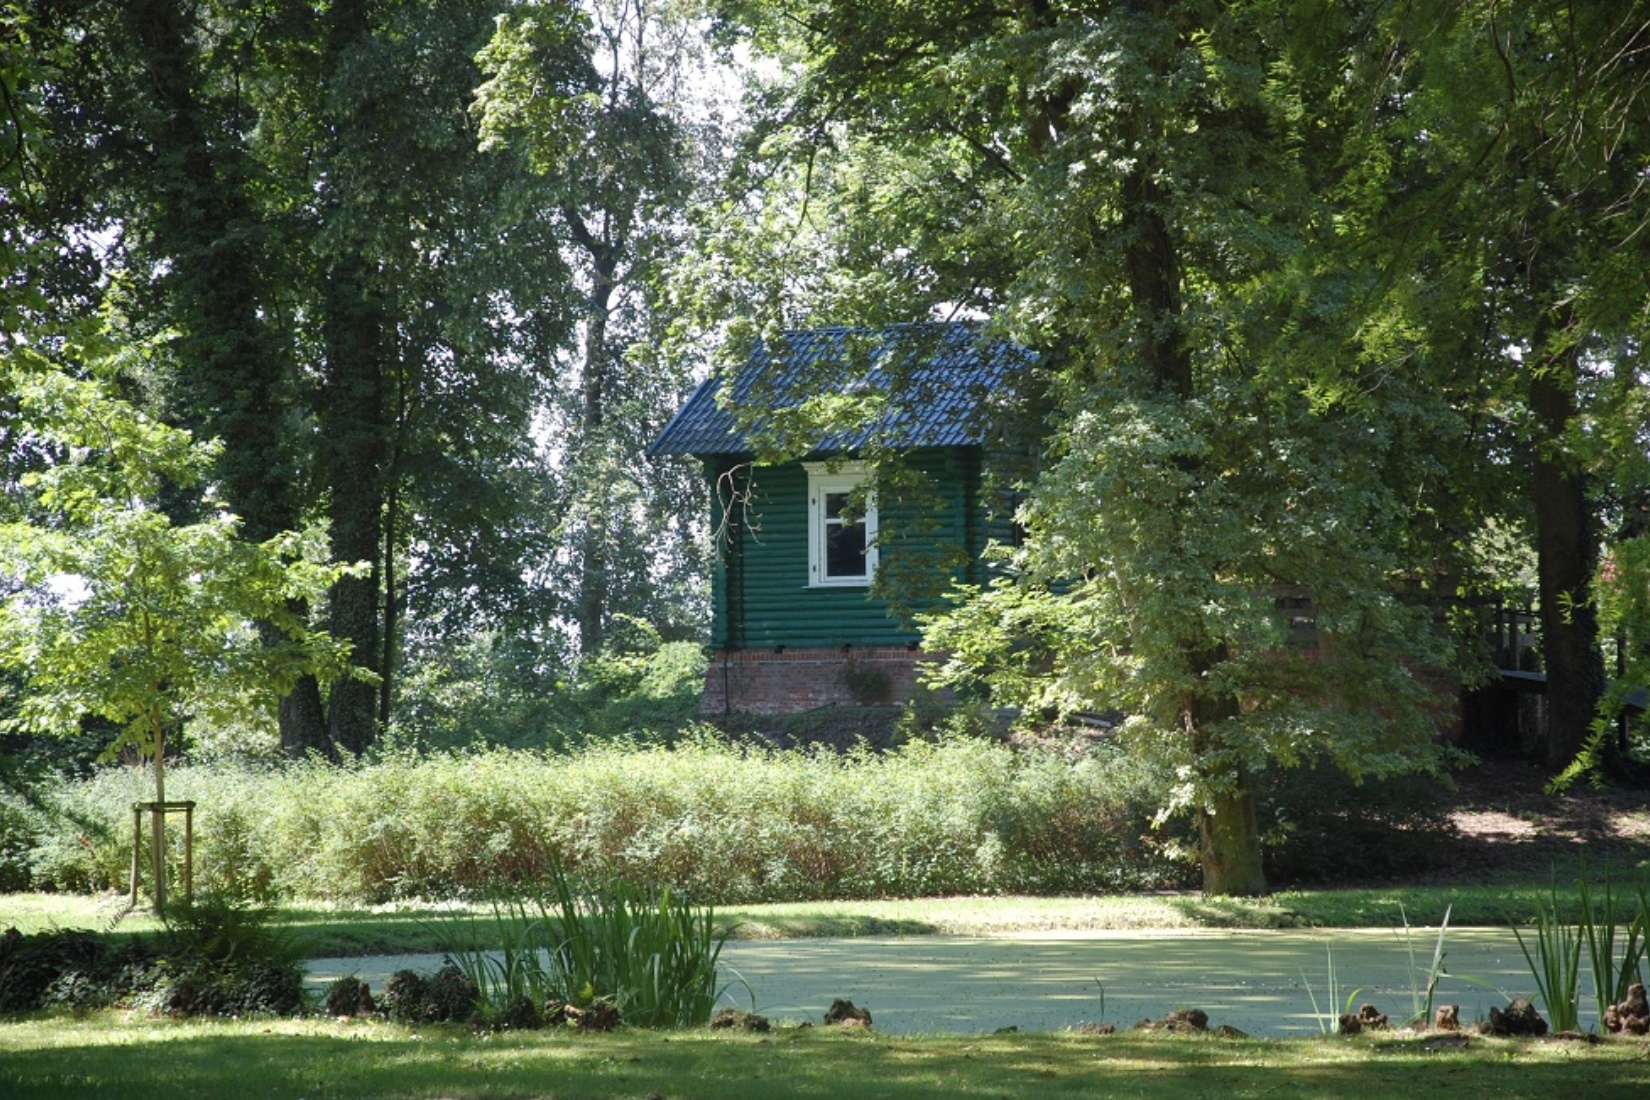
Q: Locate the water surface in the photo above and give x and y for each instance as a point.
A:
(1256, 981)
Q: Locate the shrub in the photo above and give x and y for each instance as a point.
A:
(83, 831)
(448, 995)
(17, 839)
(475, 689)
(217, 958)
(637, 687)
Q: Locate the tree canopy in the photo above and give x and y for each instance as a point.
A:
(1277, 300)
(291, 208)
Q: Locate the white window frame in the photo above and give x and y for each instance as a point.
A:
(843, 477)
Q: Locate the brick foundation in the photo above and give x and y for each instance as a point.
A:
(763, 681)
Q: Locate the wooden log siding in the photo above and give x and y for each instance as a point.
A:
(767, 548)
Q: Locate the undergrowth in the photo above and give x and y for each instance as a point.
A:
(719, 823)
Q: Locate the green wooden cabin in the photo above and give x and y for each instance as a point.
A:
(797, 620)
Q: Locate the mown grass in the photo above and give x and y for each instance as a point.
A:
(110, 1055)
(414, 927)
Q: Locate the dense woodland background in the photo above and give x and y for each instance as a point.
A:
(1348, 298)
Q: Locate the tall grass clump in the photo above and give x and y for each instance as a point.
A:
(1423, 981)
(1555, 952)
(1328, 1021)
(719, 823)
(642, 950)
(1613, 971)
(1554, 958)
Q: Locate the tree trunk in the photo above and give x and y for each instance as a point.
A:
(303, 721)
(1228, 833)
(593, 556)
(386, 663)
(352, 428)
(157, 816)
(357, 343)
(1567, 546)
(392, 534)
(232, 370)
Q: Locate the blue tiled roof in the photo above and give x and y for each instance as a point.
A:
(938, 377)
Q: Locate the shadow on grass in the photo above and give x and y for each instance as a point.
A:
(1481, 906)
(1233, 912)
(52, 1059)
(1390, 906)
(831, 926)
(328, 932)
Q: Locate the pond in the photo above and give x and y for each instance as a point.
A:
(1254, 981)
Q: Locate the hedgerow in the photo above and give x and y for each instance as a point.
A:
(719, 823)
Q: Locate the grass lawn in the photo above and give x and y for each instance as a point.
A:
(112, 1056)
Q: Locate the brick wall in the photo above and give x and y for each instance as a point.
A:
(766, 681)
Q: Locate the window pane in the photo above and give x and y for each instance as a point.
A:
(844, 549)
(834, 504)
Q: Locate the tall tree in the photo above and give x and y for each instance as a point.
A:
(364, 306)
(442, 303)
(1140, 191)
(1516, 154)
(597, 98)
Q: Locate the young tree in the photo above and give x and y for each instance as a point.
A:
(114, 610)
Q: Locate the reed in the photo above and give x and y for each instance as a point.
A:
(641, 949)
(1555, 963)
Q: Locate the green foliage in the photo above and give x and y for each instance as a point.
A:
(931, 715)
(644, 950)
(222, 929)
(1613, 972)
(81, 831)
(717, 823)
(1151, 198)
(1622, 588)
(482, 691)
(1555, 960)
(114, 610)
(216, 958)
(1555, 964)
(504, 958)
(635, 686)
(448, 995)
(1326, 1021)
(368, 310)
(16, 838)
(594, 98)
(1423, 980)
(641, 950)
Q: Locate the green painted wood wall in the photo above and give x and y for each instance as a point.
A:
(760, 587)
